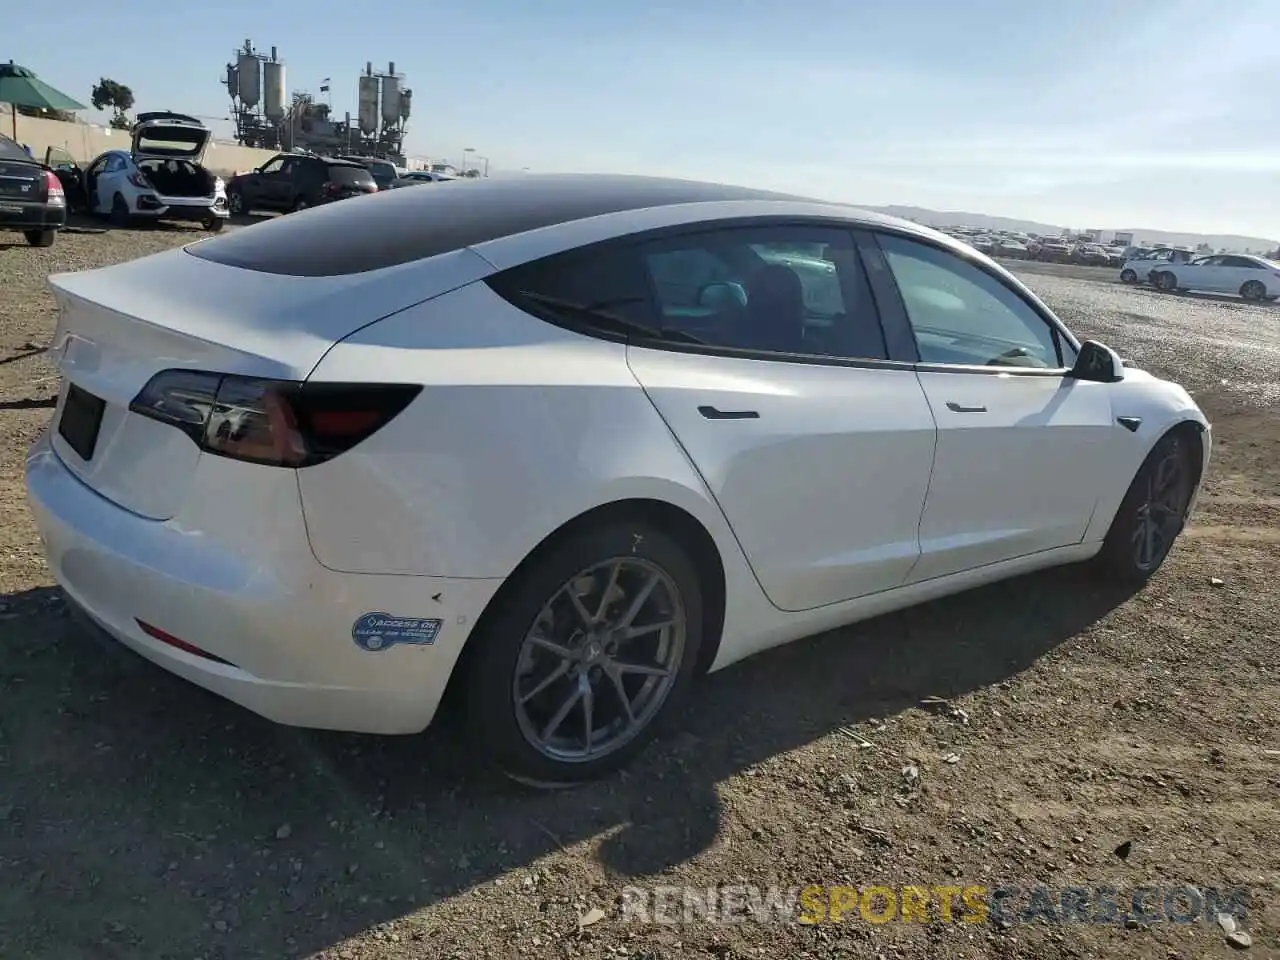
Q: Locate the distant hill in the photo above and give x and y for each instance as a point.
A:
(943, 218)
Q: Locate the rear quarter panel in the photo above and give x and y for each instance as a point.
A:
(521, 427)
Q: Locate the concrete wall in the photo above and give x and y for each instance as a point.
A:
(84, 141)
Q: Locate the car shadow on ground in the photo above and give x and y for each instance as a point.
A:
(221, 834)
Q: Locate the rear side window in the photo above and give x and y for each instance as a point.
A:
(350, 176)
(794, 291)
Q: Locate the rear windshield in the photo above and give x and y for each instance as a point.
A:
(383, 174)
(349, 176)
(11, 151)
(170, 140)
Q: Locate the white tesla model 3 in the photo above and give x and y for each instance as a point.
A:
(565, 442)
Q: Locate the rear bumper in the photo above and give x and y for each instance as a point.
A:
(31, 216)
(283, 625)
(181, 208)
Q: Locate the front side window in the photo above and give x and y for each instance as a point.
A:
(795, 290)
(962, 315)
(274, 165)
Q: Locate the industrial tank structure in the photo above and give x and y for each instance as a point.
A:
(274, 99)
(256, 85)
(367, 107)
(268, 116)
(391, 97)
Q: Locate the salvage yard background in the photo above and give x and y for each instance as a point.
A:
(141, 817)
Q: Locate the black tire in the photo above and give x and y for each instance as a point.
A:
(1128, 276)
(40, 238)
(214, 224)
(1166, 281)
(491, 665)
(119, 211)
(1253, 290)
(236, 204)
(301, 204)
(1119, 561)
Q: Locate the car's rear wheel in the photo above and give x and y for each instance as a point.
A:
(1128, 276)
(235, 203)
(591, 648)
(300, 204)
(40, 238)
(119, 211)
(1253, 290)
(1151, 515)
(213, 224)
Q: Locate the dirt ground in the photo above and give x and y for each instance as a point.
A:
(1088, 738)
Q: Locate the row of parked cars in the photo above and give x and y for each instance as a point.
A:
(162, 177)
(1011, 245)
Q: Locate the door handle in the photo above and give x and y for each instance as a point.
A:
(712, 413)
(961, 408)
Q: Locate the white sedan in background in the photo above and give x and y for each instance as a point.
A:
(562, 443)
(1251, 277)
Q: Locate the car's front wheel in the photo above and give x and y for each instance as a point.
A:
(40, 238)
(1166, 281)
(591, 647)
(213, 224)
(235, 203)
(1128, 276)
(1152, 513)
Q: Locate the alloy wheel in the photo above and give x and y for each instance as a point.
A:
(1160, 515)
(600, 660)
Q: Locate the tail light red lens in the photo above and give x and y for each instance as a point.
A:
(276, 422)
(141, 182)
(57, 196)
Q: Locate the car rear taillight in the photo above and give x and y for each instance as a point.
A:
(277, 422)
(141, 182)
(57, 197)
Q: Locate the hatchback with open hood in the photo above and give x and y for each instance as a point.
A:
(161, 178)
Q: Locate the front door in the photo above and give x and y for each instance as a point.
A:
(1018, 441)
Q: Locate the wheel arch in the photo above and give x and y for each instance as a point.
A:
(1196, 434)
(687, 530)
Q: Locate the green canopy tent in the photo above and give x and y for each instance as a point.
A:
(19, 87)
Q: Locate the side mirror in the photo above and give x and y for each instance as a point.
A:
(1098, 363)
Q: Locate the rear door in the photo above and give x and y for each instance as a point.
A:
(772, 376)
(1019, 443)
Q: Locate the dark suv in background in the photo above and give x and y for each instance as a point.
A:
(384, 172)
(294, 181)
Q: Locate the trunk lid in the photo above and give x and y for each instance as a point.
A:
(22, 182)
(121, 325)
(170, 135)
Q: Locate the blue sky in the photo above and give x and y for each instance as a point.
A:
(1088, 113)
